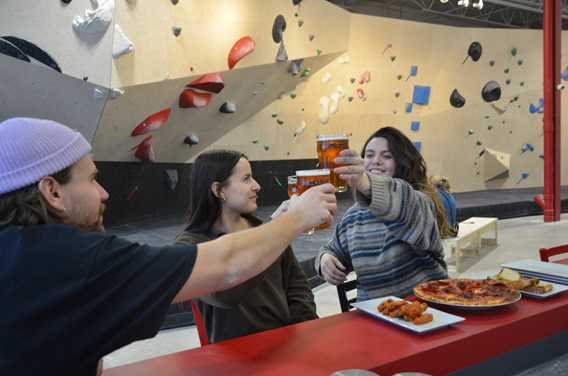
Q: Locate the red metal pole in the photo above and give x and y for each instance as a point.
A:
(552, 32)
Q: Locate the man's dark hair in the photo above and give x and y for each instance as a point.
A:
(27, 207)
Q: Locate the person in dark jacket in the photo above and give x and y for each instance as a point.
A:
(222, 199)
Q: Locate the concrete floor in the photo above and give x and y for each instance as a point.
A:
(518, 238)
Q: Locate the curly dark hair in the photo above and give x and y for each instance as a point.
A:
(27, 207)
(411, 167)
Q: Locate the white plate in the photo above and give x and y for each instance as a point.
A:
(544, 270)
(556, 289)
(439, 319)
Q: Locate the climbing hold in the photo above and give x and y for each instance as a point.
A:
(152, 122)
(474, 51)
(241, 48)
(191, 98)
(491, 92)
(324, 110)
(295, 66)
(278, 28)
(456, 99)
(145, 151)
(171, 179)
(527, 147)
(281, 54)
(211, 82)
(365, 77)
(228, 108)
(413, 72)
(176, 30)
(191, 139)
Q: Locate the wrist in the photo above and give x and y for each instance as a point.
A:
(364, 186)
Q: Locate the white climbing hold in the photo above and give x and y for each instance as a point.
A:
(324, 110)
(115, 93)
(95, 20)
(344, 59)
(326, 77)
(334, 102)
(121, 45)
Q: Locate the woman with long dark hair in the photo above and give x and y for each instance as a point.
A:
(391, 236)
(223, 197)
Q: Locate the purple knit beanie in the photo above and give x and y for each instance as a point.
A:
(31, 149)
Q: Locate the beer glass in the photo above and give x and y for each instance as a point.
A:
(308, 179)
(328, 148)
(292, 185)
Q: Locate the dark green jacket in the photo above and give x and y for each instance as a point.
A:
(276, 297)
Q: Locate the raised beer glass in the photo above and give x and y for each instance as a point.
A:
(328, 148)
(308, 179)
(292, 185)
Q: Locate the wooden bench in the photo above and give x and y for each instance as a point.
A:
(471, 231)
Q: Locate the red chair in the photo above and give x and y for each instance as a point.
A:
(546, 253)
(199, 324)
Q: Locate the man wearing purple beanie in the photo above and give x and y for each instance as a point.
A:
(71, 294)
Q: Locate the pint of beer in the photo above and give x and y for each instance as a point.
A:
(308, 179)
(328, 148)
(292, 185)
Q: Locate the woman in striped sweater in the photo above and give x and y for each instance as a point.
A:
(390, 237)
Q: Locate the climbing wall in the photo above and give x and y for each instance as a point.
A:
(158, 81)
(206, 67)
(455, 92)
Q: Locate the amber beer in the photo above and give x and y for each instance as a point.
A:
(292, 185)
(328, 148)
(308, 179)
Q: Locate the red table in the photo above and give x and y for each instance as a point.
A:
(355, 340)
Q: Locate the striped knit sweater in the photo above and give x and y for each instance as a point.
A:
(391, 241)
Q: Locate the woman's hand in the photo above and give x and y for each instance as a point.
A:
(352, 171)
(332, 269)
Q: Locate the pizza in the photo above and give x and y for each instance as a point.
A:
(467, 292)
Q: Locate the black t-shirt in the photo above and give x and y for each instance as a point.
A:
(68, 297)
